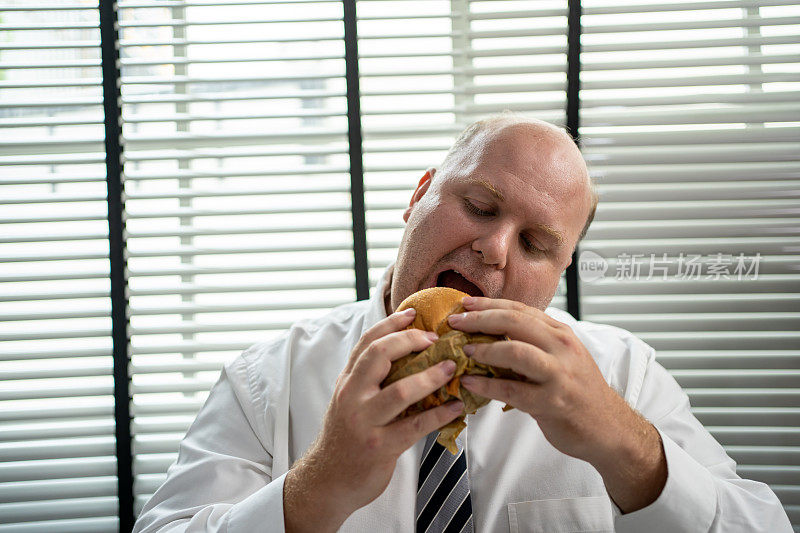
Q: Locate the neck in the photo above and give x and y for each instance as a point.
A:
(387, 293)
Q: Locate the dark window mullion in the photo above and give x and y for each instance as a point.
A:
(355, 148)
(109, 38)
(573, 123)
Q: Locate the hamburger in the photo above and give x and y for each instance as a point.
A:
(433, 307)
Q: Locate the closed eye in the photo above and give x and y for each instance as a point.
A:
(472, 208)
(530, 246)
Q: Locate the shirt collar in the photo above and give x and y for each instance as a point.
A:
(377, 308)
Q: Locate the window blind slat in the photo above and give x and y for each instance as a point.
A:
(58, 448)
(711, 172)
(22, 491)
(63, 468)
(776, 96)
(731, 340)
(744, 397)
(666, 303)
(673, 44)
(57, 509)
(689, 25)
(722, 359)
(749, 193)
(33, 392)
(681, 6)
(54, 354)
(75, 525)
(675, 115)
(659, 225)
(49, 430)
(77, 370)
(126, 4)
(181, 406)
(56, 412)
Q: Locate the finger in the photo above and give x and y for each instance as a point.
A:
(517, 325)
(392, 400)
(517, 393)
(374, 363)
(479, 303)
(521, 357)
(390, 324)
(407, 431)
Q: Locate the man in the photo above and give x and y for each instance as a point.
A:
(299, 435)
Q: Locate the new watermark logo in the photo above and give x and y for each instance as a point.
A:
(591, 266)
(635, 267)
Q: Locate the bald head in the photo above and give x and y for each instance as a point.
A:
(482, 134)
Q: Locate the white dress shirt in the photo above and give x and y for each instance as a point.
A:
(268, 406)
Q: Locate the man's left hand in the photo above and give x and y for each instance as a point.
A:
(565, 392)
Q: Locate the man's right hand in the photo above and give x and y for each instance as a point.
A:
(353, 458)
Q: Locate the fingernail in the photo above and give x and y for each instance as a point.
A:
(468, 300)
(432, 336)
(456, 406)
(469, 349)
(448, 367)
(455, 319)
(467, 380)
(409, 312)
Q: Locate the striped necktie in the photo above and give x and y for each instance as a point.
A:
(443, 501)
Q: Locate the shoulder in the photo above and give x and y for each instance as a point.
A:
(304, 336)
(263, 374)
(622, 357)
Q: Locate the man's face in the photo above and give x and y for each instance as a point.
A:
(494, 215)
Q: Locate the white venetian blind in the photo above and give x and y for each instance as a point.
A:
(238, 202)
(57, 464)
(691, 123)
(427, 70)
(238, 206)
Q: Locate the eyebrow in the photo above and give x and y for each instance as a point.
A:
(494, 191)
(498, 194)
(552, 232)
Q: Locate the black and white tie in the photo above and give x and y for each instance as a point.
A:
(443, 501)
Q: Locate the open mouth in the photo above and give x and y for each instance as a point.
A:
(454, 280)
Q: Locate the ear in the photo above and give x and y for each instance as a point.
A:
(422, 187)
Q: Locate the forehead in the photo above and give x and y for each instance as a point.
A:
(540, 173)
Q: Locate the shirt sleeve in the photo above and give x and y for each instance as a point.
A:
(703, 493)
(222, 480)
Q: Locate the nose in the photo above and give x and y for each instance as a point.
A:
(493, 247)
